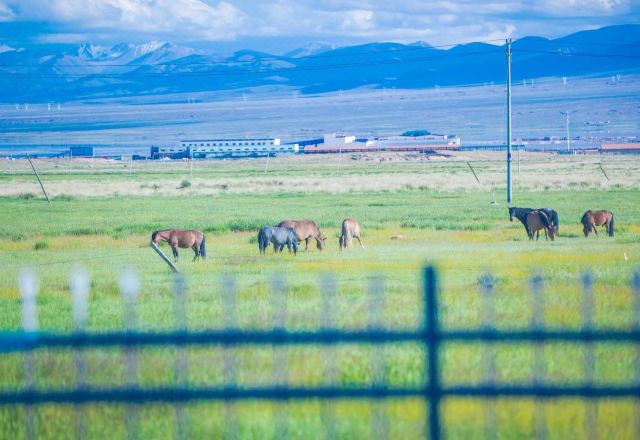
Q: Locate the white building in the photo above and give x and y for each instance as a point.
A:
(203, 148)
(333, 140)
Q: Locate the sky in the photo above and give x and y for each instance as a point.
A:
(280, 25)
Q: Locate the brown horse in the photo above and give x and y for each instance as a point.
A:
(537, 220)
(591, 219)
(350, 230)
(184, 239)
(305, 230)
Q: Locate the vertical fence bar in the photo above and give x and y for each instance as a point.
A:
(229, 293)
(380, 422)
(328, 291)
(539, 367)
(79, 284)
(181, 361)
(29, 285)
(591, 425)
(129, 288)
(489, 355)
(635, 290)
(432, 342)
(280, 353)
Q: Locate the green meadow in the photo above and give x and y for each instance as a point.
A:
(459, 232)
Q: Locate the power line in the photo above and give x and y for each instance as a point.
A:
(578, 54)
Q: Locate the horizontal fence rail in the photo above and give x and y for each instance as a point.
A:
(431, 338)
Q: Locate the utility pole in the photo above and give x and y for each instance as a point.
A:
(38, 177)
(508, 120)
(568, 139)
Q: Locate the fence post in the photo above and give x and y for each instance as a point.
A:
(328, 292)
(79, 284)
(591, 425)
(229, 292)
(280, 353)
(129, 287)
(181, 362)
(28, 292)
(432, 341)
(488, 354)
(539, 367)
(635, 290)
(380, 425)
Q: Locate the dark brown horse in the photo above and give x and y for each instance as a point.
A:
(305, 230)
(537, 220)
(591, 219)
(184, 239)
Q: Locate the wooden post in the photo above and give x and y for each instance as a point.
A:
(38, 177)
(164, 257)
(474, 173)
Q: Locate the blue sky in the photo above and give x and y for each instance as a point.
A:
(281, 25)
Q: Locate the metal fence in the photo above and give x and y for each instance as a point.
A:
(432, 337)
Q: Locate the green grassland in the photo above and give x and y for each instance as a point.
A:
(458, 231)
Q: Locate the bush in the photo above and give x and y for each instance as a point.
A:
(185, 184)
(26, 196)
(63, 198)
(41, 244)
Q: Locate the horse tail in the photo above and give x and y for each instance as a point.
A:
(556, 221)
(610, 231)
(203, 249)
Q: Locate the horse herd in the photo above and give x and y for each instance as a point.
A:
(291, 232)
(287, 233)
(546, 219)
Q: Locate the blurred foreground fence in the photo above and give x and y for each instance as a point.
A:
(431, 337)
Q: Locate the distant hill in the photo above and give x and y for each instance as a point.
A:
(69, 72)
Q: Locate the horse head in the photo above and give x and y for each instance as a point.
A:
(320, 242)
(553, 230)
(154, 235)
(511, 210)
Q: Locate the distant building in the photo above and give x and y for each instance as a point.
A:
(627, 148)
(204, 148)
(81, 151)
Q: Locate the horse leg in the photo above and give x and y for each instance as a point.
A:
(306, 244)
(195, 250)
(360, 241)
(175, 254)
(593, 226)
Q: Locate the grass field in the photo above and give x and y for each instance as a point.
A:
(456, 229)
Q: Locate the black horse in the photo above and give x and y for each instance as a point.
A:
(522, 213)
(279, 237)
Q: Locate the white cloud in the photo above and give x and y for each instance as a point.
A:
(202, 20)
(6, 13)
(581, 8)
(335, 21)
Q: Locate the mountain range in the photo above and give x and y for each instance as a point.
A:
(65, 72)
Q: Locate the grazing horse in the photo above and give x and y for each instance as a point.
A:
(537, 220)
(350, 230)
(521, 214)
(279, 237)
(184, 239)
(305, 230)
(591, 219)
